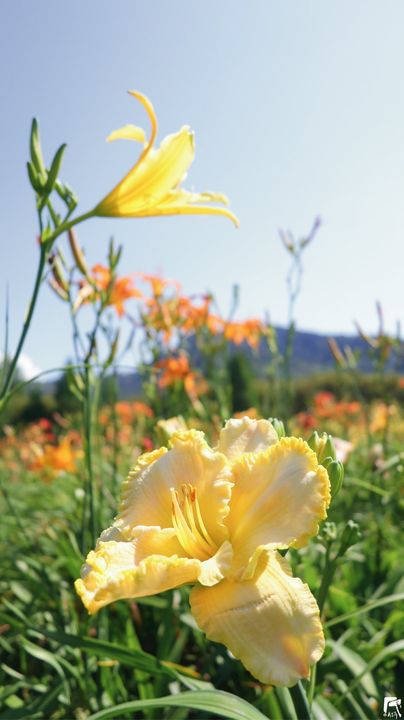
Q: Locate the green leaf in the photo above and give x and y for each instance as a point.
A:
(131, 657)
(392, 649)
(324, 710)
(215, 702)
(366, 608)
(356, 665)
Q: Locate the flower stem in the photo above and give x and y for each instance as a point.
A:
(330, 567)
(300, 701)
(88, 454)
(44, 254)
(13, 365)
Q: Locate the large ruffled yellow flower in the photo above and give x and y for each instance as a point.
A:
(152, 186)
(217, 518)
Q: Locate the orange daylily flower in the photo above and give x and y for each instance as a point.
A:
(56, 459)
(248, 331)
(174, 369)
(120, 289)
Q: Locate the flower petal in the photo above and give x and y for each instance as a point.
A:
(146, 496)
(278, 499)
(128, 132)
(215, 569)
(117, 570)
(245, 435)
(182, 202)
(271, 622)
(152, 178)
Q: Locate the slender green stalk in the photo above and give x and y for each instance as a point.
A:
(88, 454)
(13, 511)
(44, 254)
(300, 702)
(330, 567)
(27, 322)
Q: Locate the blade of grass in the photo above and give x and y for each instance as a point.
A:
(218, 702)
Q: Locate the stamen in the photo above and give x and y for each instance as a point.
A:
(188, 524)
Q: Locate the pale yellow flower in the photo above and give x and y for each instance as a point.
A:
(217, 518)
(152, 186)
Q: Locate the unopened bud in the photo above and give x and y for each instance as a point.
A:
(54, 169)
(113, 351)
(167, 428)
(335, 471)
(58, 275)
(278, 427)
(77, 252)
(336, 352)
(323, 446)
(36, 152)
(351, 358)
(58, 290)
(350, 536)
(365, 337)
(329, 531)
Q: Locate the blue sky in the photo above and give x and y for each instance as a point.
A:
(298, 110)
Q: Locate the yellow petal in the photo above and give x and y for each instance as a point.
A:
(278, 499)
(146, 494)
(215, 569)
(117, 570)
(128, 132)
(182, 202)
(152, 178)
(245, 435)
(271, 623)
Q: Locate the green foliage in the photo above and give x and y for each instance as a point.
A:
(243, 393)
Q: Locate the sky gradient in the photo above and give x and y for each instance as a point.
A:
(298, 111)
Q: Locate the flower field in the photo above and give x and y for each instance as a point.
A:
(219, 542)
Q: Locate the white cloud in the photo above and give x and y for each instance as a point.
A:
(26, 366)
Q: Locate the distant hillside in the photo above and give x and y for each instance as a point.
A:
(311, 354)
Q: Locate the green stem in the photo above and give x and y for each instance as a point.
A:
(64, 227)
(330, 567)
(88, 437)
(44, 251)
(300, 702)
(26, 325)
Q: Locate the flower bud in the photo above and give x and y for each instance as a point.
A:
(350, 536)
(58, 275)
(278, 427)
(77, 252)
(167, 428)
(335, 471)
(113, 351)
(329, 531)
(36, 152)
(34, 178)
(336, 352)
(58, 290)
(54, 170)
(323, 446)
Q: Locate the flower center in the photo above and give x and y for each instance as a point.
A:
(188, 523)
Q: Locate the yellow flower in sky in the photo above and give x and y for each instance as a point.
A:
(152, 186)
(217, 518)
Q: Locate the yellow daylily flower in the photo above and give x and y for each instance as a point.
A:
(152, 186)
(217, 518)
